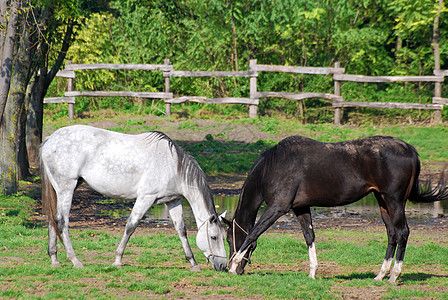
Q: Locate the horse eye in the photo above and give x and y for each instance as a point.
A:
(214, 238)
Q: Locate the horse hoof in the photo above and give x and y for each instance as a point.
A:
(195, 268)
(56, 265)
(78, 265)
(378, 279)
(393, 282)
(117, 265)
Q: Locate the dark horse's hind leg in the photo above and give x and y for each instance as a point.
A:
(394, 218)
(304, 216)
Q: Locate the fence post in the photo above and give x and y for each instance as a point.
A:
(337, 92)
(167, 89)
(69, 89)
(253, 89)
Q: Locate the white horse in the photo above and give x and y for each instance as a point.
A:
(148, 167)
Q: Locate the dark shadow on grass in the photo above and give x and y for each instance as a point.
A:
(353, 276)
(419, 277)
(365, 275)
(404, 278)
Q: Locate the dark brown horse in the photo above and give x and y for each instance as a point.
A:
(299, 173)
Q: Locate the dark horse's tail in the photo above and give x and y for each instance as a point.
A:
(426, 193)
(49, 198)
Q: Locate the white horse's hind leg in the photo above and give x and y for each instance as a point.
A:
(176, 214)
(52, 245)
(141, 206)
(62, 220)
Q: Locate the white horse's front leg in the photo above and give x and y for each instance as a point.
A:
(176, 214)
(141, 206)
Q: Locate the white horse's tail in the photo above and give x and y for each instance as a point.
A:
(49, 198)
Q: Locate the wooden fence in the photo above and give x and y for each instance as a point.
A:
(336, 98)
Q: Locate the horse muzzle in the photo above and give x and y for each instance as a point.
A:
(219, 263)
(235, 268)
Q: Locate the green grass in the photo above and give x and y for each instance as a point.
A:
(155, 265)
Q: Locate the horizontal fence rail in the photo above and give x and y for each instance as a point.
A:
(226, 100)
(141, 67)
(387, 105)
(298, 96)
(155, 95)
(209, 74)
(297, 70)
(381, 79)
(336, 98)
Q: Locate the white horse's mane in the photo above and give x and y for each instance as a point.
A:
(188, 167)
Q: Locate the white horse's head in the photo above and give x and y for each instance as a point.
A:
(210, 239)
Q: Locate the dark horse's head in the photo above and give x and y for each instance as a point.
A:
(238, 258)
(242, 240)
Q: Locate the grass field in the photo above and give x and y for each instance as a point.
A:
(154, 261)
(155, 265)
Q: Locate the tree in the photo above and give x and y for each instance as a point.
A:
(14, 67)
(35, 35)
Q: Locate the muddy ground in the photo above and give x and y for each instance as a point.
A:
(86, 213)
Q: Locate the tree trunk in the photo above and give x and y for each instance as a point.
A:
(38, 90)
(10, 124)
(22, 158)
(9, 38)
(34, 119)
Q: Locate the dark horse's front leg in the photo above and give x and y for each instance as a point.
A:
(270, 215)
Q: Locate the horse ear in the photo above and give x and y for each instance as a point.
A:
(223, 219)
(213, 219)
(226, 222)
(223, 215)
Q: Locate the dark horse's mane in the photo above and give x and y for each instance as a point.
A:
(279, 151)
(188, 167)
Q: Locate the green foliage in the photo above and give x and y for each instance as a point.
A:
(370, 38)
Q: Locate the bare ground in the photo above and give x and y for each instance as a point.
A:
(85, 214)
